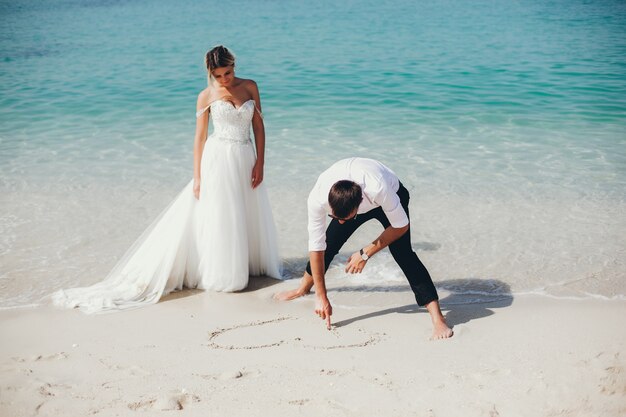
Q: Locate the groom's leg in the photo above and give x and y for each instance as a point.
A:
(419, 278)
(402, 252)
(416, 273)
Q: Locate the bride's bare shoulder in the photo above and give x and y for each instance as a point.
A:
(246, 82)
(206, 96)
(250, 86)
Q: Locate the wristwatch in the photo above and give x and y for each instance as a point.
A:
(364, 255)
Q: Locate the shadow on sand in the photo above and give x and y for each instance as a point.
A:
(467, 299)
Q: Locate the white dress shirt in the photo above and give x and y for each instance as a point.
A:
(379, 185)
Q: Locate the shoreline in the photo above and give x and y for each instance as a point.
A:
(45, 303)
(244, 353)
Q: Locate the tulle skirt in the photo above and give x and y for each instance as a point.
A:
(214, 243)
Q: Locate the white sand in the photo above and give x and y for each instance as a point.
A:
(208, 354)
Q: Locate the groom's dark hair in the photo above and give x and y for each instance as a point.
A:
(344, 197)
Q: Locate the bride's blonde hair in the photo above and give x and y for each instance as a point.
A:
(218, 57)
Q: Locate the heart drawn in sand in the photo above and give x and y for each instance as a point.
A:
(285, 330)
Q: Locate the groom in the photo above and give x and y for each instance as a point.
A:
(351, 192)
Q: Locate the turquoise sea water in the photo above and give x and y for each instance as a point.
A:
(505, 119)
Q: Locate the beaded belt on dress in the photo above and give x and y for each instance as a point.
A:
(230, 139)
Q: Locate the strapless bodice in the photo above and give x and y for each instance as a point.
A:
(232, 123)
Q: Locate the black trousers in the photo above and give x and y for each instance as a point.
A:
(416, 273)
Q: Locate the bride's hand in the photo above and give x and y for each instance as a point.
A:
(257, 174)
(196, 189)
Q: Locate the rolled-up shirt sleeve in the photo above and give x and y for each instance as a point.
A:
(390, 203)
(316, 224)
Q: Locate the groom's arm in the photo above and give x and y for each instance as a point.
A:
(356, 263)
(399, 221)
(322, 305)
(317, 271)
(317, 246)
(386, 238)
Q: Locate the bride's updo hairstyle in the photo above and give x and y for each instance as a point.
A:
(218, 57)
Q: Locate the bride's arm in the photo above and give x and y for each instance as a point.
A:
(202, 127)
(258, 128)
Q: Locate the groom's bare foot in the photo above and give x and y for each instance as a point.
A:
(305, 287)
(441, 331)
(440, 327)
(290, 295)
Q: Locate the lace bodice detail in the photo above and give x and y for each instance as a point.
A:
(231, 123)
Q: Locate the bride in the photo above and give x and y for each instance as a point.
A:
(219, 229)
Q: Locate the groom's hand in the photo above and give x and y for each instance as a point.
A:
(324, 309)
(355, 263)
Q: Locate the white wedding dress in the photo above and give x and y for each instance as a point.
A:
(213, 243)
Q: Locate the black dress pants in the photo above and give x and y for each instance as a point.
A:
(416, 273)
